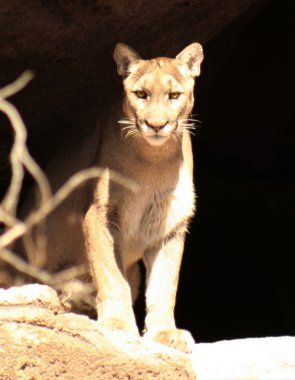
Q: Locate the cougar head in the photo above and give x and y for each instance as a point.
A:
(158, 92)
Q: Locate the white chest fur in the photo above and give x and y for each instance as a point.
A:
(156, 210)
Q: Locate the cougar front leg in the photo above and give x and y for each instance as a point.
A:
(114, 304)
(163, 267)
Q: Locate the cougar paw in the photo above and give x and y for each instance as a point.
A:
(175, 338)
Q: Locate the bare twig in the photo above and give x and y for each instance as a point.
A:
(46, 208)
(15, 228)
(20, 156)
(7, 219)
(58, 281)
(24, 267)
(10, 201)
(17, 85)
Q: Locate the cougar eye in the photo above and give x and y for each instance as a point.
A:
(141, 94)
(174, 95)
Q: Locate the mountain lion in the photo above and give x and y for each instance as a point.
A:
(112, 228)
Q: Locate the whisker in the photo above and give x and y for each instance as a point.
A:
(191, 133)
(190, 129)
(188, 124)
(177, 133)
(127, 121)
(130, 132)
(192, 118)
(133, 132)
(128, 127)
(137, 133)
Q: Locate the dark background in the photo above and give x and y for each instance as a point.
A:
(237, 277)
(238, 271)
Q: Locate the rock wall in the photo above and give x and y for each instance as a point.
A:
(69, 46)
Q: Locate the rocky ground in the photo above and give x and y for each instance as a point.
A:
(38, 340)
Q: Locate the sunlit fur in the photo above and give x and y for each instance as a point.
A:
(109, 228)
(158, 78)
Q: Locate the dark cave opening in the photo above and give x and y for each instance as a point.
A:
(237, 276)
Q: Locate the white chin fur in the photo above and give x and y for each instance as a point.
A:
(156, 140)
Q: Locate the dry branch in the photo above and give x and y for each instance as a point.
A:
(21, 160)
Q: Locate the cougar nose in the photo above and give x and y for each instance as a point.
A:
(155, 126)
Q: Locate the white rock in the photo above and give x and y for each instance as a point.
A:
(246, 359)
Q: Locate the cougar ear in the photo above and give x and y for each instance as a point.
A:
(192, 56)
(124, 56)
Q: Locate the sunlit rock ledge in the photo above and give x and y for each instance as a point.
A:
(246, 359)
(39, 340)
